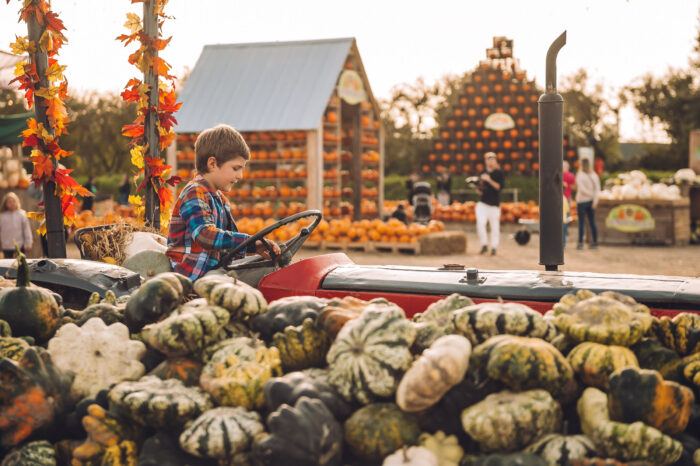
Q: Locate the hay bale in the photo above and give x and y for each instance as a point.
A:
(443, 243)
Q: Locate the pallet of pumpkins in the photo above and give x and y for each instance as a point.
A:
(635, 185)
(12, 174)
(212, 374)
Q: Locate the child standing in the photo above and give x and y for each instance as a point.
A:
(14, 226)
(202, 226)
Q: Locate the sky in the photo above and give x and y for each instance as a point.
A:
(616, 41)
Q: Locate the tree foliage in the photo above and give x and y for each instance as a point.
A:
(588, 118)
(11, 102)
(95, 134)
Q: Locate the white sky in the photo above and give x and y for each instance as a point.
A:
(615, 40)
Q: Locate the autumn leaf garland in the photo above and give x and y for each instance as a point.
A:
(146, 58)
(44, 140)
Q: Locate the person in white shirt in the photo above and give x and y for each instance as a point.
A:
(587, 192)
(14, 226)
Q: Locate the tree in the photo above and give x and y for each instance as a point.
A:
(673, 102)
(411, 116)
(95, 134)
(588, 117)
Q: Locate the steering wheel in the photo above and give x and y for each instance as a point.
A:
(287, 249)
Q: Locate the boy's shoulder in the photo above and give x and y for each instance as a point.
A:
(195, 188)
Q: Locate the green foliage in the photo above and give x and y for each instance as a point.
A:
(105, 184)
(94, 134)
(587, 117)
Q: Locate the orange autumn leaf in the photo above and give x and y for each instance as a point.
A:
(43, 165)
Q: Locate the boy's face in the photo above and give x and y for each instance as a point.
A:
(225, 175)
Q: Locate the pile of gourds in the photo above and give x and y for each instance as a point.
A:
(210, 373)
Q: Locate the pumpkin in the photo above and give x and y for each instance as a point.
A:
(338, 311)
(12, 348)
(643, 395)
(34, 396)
(434, 373)
(602, 320)
(184, 369)
(378, 429)
(29, 310)
(482, 321)
(98, 354)
(592, 409)
(163, 450)
(38, 453)
(235, 375)
(436, 320)
(305, 434)
(158, 403)
(681, 334)
(523, 363)
(292, 386)
(125, 453)
(221, 432)
(188, 330)
(568, 300)
(104, 430)
(558, 449)
(157, 297)
(636, 441)
(301, 346)
(240, 299)
(513, 459)
(281, 313)
(508, 421)
(607, 462)
(370, 353)
(594, 363)
(446, 448)
(651, 354)
(411, 456)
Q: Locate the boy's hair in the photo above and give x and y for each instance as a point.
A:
(10, 195)
(221, 142)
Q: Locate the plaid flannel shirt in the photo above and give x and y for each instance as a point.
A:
(200, 229)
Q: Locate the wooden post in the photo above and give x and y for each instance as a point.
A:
(356, 167)
(52, 203)
(151, 137)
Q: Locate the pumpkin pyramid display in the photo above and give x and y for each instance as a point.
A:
(306, 381)
(495, 111)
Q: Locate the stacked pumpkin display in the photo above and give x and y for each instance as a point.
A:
(224, 378)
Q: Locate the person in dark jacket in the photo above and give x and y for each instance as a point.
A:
(488, 209)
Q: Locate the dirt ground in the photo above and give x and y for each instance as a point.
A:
(649, 260)
(646, 260)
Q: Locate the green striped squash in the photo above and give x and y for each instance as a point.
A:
(482, 321)
(376, 430)
(436, 320)
(592, 409)
(156, 298)
(370, 354)
(636, 442)
(221, 432)
(188, 330)
(681, 334)
(558, 449)
(594, 362)
(523, 363)
(651, 354)
(240, 299)
(302, 346)
(508, 421)
(12, 348)
(38, 453)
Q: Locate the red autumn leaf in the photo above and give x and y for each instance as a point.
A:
(132, 131)
(131, 95)
(165, 195)
(132, 82)
(174, 180)
(66, 182)
(160, 44)
(52, 22)
(43, 167)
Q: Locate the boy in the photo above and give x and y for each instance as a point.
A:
(202, 226)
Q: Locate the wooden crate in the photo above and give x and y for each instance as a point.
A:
(671, 222)
(404, 248)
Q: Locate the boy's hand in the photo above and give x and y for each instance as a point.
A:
(262, 250)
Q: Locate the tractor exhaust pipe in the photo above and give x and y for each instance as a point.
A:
(550, 108)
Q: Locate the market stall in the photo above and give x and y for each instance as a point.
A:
(308, 114)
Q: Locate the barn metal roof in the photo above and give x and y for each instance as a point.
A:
(262, 86)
